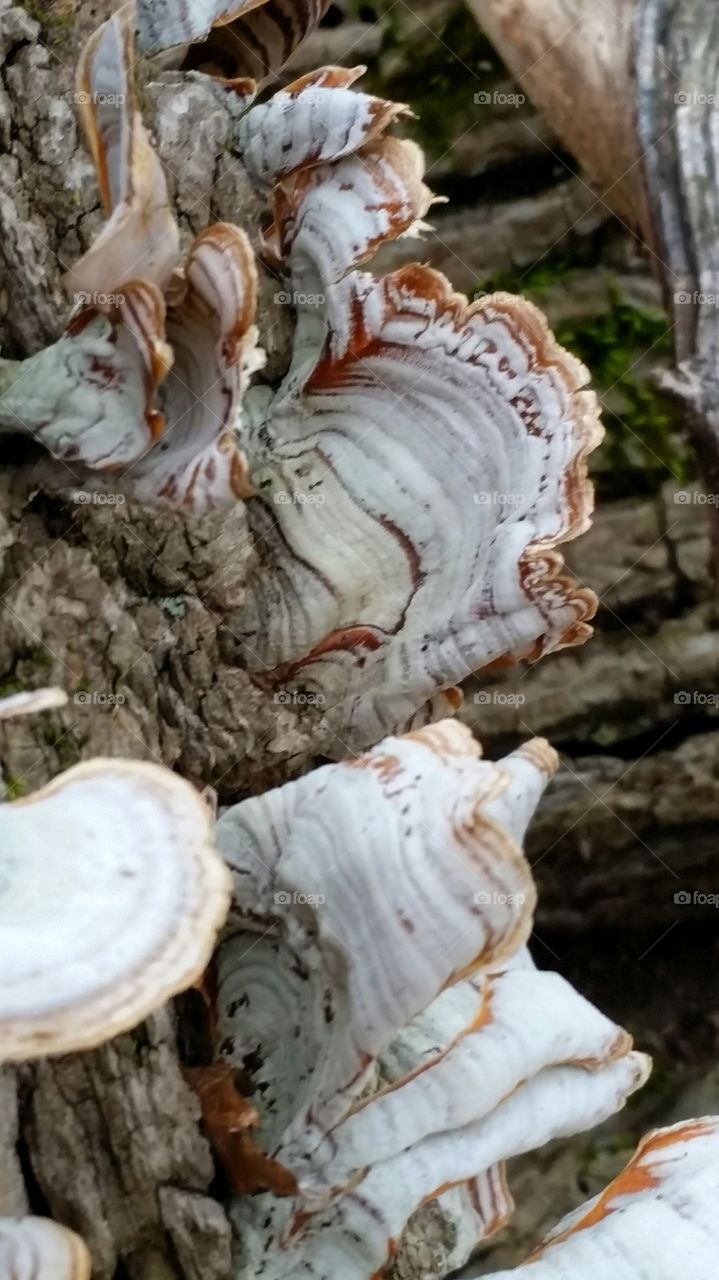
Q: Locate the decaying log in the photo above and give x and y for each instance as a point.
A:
(631, 88)
(575, 59)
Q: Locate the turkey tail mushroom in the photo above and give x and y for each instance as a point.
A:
(424, 457)
(374, 994)
(113, 894)
(238, 38)
(37, 1249)
(658, 1217)
(143, 393)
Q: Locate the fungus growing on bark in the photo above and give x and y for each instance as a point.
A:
(37, 1249)
(658, 1217)
(143, 392)
(422, 459)
(241, 37)
(376, 906)
(416, 470)
(112, 896)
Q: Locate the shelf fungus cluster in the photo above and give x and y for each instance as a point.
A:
(112, 896)
(142, 394)
(423, 457)
(377, 998)
(409, 481)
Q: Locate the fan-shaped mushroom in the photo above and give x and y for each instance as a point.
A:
(374, 902)
(243, 37)
(422, 459)
(112, 896)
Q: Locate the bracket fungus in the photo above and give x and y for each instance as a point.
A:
(409, 481)
(423, 458)
(376, 937)
(240, 37)
(112, 896)
(658, 1218)
(144, 389)
(37, 1249)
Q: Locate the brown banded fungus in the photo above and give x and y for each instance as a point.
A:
(143, 392)
(112, 894)
(423, 458)
(375, 992)
(239, 38)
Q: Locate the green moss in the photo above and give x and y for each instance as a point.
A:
(437, 72)
(9, 686)
(140, 1042)
(54, 16)
(27, 664)
(535, 282)
(620, 345)
(15, 787)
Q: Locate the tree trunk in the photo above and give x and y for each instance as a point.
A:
(126, 609)
(131, 612)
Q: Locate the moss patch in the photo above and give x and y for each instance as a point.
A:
(436, 70)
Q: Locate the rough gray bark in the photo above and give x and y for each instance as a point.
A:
(115, 1146)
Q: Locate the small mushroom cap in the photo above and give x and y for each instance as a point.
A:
(37, 1249)
(112, 895)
